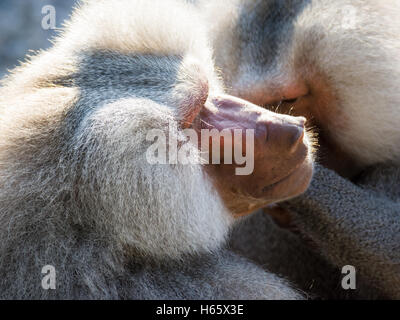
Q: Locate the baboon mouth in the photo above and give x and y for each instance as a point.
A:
(275, 184)
(287, 177)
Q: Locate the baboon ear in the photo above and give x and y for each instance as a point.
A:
(190, 110)
(191, 106)
(193, 92)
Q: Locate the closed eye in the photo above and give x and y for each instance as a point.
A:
(290, 101)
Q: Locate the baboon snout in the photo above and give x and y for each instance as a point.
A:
(278, 155)
(274, 133)
(284, 134)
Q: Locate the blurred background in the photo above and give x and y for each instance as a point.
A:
(21, 27)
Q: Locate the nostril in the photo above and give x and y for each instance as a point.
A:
(283, 137)
(262, 132)
(295, 136)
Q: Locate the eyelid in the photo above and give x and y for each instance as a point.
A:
(290, 100)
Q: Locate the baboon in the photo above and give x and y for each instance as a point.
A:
(78, 192)
(338, 64)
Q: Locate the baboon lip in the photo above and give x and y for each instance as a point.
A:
(273, 185)
(285, 178)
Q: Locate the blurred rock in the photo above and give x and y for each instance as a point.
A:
(21, 28)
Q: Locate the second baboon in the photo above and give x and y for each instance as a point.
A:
(338, 64)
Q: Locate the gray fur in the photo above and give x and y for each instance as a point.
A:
(76, 191)
(347, 223)
(356, 224)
